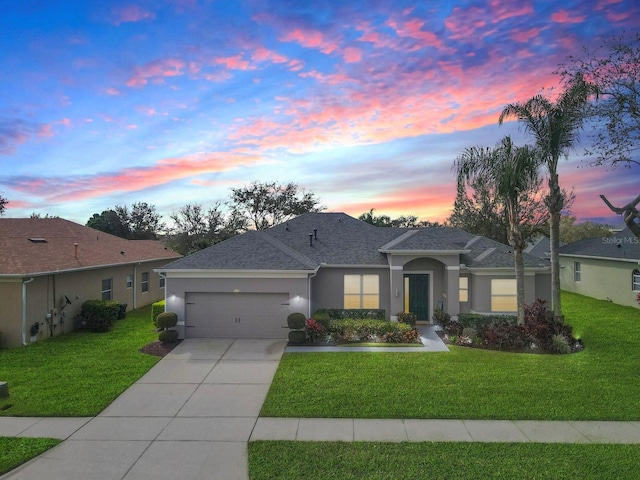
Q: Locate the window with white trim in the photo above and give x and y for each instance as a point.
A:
(361, 291)
(144, 283)
(577, 273)
(129, 281)
(503, 295)
(107, 289)
(464, 289)
(161, 281)
(635, 280)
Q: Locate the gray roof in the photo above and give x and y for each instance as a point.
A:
(313, 239)
(623, 245)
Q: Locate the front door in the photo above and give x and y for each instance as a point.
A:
(416, 295)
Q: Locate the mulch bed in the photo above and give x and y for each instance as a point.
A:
(159, 349)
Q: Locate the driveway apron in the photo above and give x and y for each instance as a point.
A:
(189, 417)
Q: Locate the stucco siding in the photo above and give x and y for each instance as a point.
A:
(601, 279)
(46, 296)
(328, 287)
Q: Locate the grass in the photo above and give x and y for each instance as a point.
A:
(79, 373)
(330, 460)
(16, 451)
(600, 383)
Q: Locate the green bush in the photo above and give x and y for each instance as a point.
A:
(322, 317)
(167, 320)
(354, 313)
(408, 318)
(296, 321)
(560, 344)
(367, 330)
(156, 309)
(99, 315)
(478, 320)
(297, 336)
(168, 336)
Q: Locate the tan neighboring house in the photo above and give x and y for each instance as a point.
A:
(49, 266)
(606, 268)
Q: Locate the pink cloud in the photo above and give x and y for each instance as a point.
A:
(352, 55)
(262, 54)
(564, 16)
(131, 14)
(523, 36)
(463, 23)
(158, 69)
(413, 28)
(502, 10)
(58, 189)
(234, 62)
(112, 91)
(310, 39)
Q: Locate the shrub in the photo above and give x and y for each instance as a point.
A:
(168, 336)
(156, 309)
(297, 336)
(411, 336)
(322, 317)
(393, 337)
(353, 313)
(122, 312)
(444, 321)
(408, 318)
(296, 321)
(314, 330)
(351, 330)
(560, 344)
(167, 320)
(478, 320)
(99, 315)
(469, 332)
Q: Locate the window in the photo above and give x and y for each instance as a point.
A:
(464, 289)
(361, 291)
(635, 280)
(576, 271)
(503, 295)
(144, 284)
(161, 281)
(129, 281)
(106, 289)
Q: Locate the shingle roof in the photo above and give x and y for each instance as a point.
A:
(623, 245)
(338, 239)
(52, 247)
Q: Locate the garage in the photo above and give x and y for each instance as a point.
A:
(236, 315)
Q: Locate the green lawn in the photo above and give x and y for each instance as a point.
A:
(331, 460)
(77, 374)
(16, 451)
(600, 383)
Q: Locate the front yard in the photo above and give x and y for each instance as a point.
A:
(600, 383)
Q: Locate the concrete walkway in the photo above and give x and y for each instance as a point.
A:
(191, 416)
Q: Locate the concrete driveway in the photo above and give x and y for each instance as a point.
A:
(189, 417)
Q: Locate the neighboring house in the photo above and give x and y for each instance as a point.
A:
(247, 285)
(607, 268)
(49, 266)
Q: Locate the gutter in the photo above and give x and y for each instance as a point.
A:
(24, 310)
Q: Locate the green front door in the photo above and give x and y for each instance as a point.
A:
(416, 295)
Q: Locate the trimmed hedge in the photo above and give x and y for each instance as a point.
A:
(478, 320)
(362, 330)
(99, 315)
(351, 313)
(156, 309)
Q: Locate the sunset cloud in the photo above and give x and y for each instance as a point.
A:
(564, 16)
(131, 14)
(158, 69)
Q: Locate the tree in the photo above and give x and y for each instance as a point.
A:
(195, 229)
(614, 69)
(629, 212)
(571, 232)
(109, 222)
(142, 221)
(554, 126)
(370, 218)
(403, 221)
(268, 204)
(3, 205)
(507, 171)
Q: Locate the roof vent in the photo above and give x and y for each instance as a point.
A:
(311, 239)
(38, 240)
(315, 233)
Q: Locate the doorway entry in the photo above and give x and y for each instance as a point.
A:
(417, 293)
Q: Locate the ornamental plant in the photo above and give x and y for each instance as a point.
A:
(315, 331)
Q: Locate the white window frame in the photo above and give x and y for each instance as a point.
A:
(501, 284)
(144, 283)
(464, 289)
(107, 292)
(129, 281)
(577, 272)
(162, 282)
(361, 294)
(635, 280)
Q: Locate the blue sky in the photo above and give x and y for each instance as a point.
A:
(366, 104)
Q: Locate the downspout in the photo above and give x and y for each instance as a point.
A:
(24, 310)
(135, 286)
(309, 286)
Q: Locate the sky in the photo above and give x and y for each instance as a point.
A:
(364, 103)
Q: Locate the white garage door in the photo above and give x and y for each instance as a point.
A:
(243, 315)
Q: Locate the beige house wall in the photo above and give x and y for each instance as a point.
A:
(601, 279)
(46, 302)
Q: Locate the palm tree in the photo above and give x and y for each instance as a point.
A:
(511, 173)
(554, 126)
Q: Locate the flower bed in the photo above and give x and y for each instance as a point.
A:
(353, 331)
